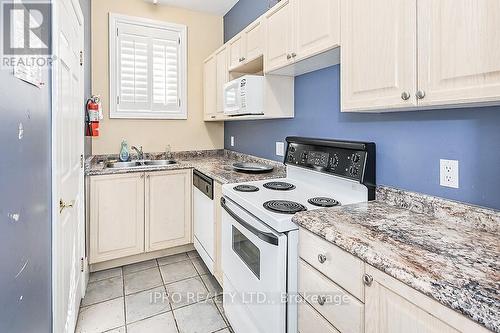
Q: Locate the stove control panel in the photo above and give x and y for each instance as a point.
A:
(346, 163)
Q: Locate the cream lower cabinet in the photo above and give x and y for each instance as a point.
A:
(419, 54)
(168, 209)
(137, 213)
(116, 216)
(393, 307)
(385, 305)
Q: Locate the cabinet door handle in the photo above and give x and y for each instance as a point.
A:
(321, 258)
(243, 59)
(405, 96)
(294, 55)
(420, 94)
(321, 300)
(213, 117)
(367, 280)
(288, 56)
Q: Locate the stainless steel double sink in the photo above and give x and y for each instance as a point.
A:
(139, 164)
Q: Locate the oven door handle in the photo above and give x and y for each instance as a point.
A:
(265, 236)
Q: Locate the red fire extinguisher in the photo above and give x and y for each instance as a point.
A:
(93, 115)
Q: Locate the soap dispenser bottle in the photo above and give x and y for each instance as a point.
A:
(124, 153)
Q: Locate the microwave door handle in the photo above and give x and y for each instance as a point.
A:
(265, 236)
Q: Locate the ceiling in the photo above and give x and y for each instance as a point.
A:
(218, 7)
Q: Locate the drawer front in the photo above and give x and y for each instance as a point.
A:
(310, 321)
(340, 308)
(343, 268)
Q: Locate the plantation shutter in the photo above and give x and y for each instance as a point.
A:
(149, 72)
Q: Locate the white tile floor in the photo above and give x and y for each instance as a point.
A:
(175, 294)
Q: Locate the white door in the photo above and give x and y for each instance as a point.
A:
(458, 51)
(67, 137)
(378, 54)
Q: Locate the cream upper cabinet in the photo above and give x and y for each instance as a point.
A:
(116, 216)
(253, 41)
(279, 36)
(210, 87)
(393, 307)
(378, 54)
(300, 29)
(411, 54)
(236, 51)
(222, 78)
(215, 76)
(168, 209)
(458, 51)
(316, 26)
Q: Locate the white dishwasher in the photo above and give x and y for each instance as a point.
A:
(204, 219)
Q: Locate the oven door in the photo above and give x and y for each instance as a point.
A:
(254, 262)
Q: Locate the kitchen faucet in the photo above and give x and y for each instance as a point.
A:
(139, 151)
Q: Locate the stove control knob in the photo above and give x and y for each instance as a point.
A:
(353, 171)
(334, 161)
(355, 158)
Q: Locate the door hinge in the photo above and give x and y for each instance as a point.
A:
(117, 34)
(81, 161)
(81, 265)
(179, 41)
(179, 102)
(81, 58)
(117, 99)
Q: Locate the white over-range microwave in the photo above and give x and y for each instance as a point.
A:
(244, 96)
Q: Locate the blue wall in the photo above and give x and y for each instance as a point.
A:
(25, 197)
(409, 144)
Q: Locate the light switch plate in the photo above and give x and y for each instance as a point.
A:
(280, 148)
(232, 141)
(449, 174)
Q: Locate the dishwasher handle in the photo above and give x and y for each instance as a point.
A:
(204, 183)
(265, 236)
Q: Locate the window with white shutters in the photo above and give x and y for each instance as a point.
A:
(147, 69)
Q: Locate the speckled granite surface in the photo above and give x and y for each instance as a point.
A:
(449, 254)
(216, 164)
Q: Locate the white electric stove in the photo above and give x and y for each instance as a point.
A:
(259, 239)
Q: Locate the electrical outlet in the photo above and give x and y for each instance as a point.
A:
(232, 141)
(280, 148)
(449, 173)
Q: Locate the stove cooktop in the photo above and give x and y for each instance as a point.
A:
(279, 186)
(284, 206)
(323, 202)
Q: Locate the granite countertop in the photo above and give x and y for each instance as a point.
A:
(455, 263)
(216, 164)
